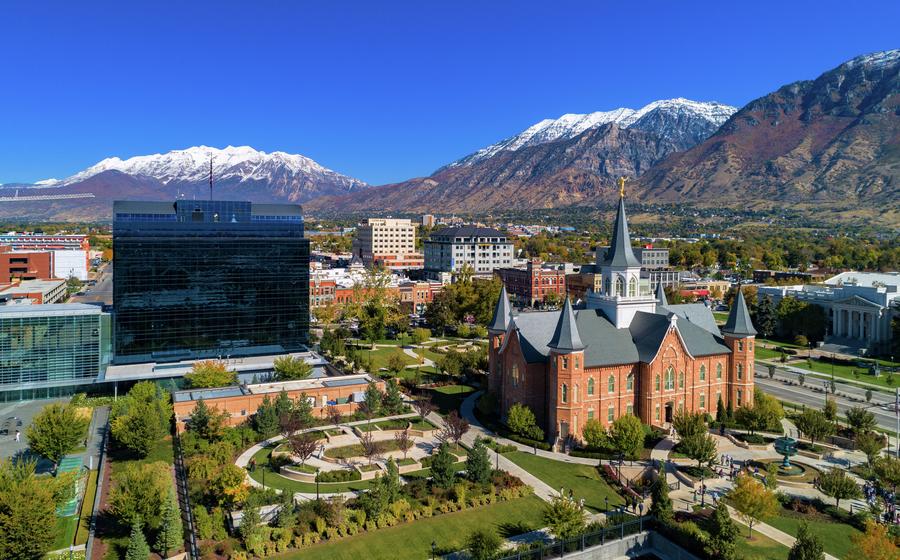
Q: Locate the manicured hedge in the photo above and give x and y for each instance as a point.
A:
(342, 475)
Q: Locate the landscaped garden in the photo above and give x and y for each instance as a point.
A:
(584, 481)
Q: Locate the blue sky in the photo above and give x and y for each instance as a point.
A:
(382, 91)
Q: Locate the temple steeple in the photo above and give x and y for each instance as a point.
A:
(739, 323)
(661, 295)
(620, 252)
(566, 337)
(502, 313)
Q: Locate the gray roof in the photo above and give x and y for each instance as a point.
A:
(620, 252)
(696, 313)
(739, 322)
(661, 294)
(606, 345)
(565, 336)
(466, 231)
(502, 313)
(50, 309)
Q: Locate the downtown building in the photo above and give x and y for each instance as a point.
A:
(208, 279)
(627, 351)
(387, 242)
(452, 250)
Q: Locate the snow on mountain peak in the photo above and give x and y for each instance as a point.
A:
(570, 125)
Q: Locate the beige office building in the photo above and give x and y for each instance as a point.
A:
(389, 241)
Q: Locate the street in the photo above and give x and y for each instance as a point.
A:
(101, 292)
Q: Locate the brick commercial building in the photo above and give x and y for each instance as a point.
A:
(533, 284)
(387, 242)
(241, 401)
(627, 352)
(36, 292)
(25, 265)
(69, 255)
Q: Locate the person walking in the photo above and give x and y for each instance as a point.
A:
(18, 435)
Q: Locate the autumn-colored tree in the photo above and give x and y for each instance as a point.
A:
(752, 500)
(210, 373)
(874, 544)
(302, 445)
(404, 442)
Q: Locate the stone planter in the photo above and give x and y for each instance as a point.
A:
(412, 467)
(369, 475)
(294, 474)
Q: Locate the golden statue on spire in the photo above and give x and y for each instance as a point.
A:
(622, 186)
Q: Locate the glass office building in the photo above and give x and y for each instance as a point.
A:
(51, 350)
(195, 279)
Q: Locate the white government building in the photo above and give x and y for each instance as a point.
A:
(860, 306)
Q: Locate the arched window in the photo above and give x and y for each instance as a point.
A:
(611, 413)
(620, 286)
(740, 345)
(702, 373)
(515, 375)
(702, 400)
(590, 386)
(575, 400)
(718, 371)
(740, 395)
(611, 384)
(740, 371)
(565, 393)
(629, 382)
(606, 286)
(656, 385)
(632, 287)
(670, 378)
(681, 380)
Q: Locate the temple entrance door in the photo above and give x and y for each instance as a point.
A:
(670, 407)
(563, 431)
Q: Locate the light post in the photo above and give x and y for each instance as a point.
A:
(607, 504)
(641, 510)
(825, 390)
(317, 488)
(433, 546)
(702, 492)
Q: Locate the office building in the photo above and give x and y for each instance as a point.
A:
(51, 350)
(535, 283)
(195, 279)
(34, 292)
(387, 242)
(479, 249)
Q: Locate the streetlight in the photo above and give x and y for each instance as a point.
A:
(702, 492)
(641, 510)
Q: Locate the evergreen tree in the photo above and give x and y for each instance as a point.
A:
(283, 404)
(390, 481)
(393, 399)
(478, 464)
(206, 422)
(807, 546)
(766, 317)
(661, 507)
(443, 473)
(723, 534)
(720, 411)
(249, 523)
(170, 529)
(303, 411)
(729, 411)
(372, 399)
(138, 549)
(266, 418)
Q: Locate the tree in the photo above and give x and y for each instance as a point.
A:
(455, 427)
(874, 544)
(420, 336)
(393, 398)
(483, 544)
(627, 435)
(887, 469)
(752, 500)
(371, 448)
(139, 492)
(723, 534)
(141, 418)
(720, 411)
(289, 368)
(871, 444)
(169, 536)
(207, 422)
(520, 419)
(389, 482)
(860, 420)
(837, 484)
(801, 378)
(302, 445)
(661, 505)
(423, 407)
(265, 421)
(404, 442)
(302, 410)
(750, 417)
(210, 373)
(814, 424)
(772, 476)
(56, 431)
(372, 398)
(396, 363)
(28, 508)
(333, 414)
(478, 464)
(766, 317)
(564, 517)
(138, 549)
(443, 473)
(700, 447)
(688, 424)
(594, 433)
(830, 409)
(807, 546)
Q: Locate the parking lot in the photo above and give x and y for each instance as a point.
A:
(13, 413)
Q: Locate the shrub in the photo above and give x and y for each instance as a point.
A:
(342, 475)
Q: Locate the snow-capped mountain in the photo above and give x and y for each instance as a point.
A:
(679, 120)
(232, 164)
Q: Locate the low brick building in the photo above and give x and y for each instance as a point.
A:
(533, 284)
(241, 401)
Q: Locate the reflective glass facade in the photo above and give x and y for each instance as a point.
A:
(208, 278)
(46, 348)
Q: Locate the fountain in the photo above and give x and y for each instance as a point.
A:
(787, 447)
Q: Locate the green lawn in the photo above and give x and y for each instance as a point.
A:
(412, 541)
(760, 547)
(762, 353)
(65, 531)
(87, 507)
(835, 536)
(721, 316)
(584, 480)
(380, 356)
(449, 397)
(275, 480)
